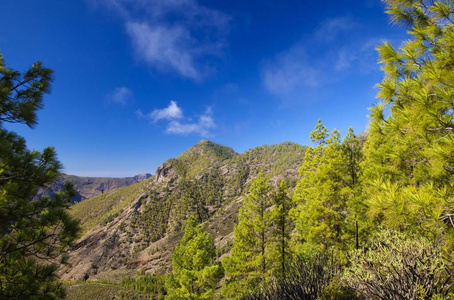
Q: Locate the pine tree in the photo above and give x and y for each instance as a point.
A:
(195, 272)
(409, 154)
(33, 233)
(282, 229)
(357, 223)
(248, 264)
(328, 193)
(320, 205)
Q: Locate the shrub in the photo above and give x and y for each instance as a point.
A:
(400, 266)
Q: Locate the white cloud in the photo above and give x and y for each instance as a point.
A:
(177, 123)
(171, 112)
(121, 95)
(179, 36)
(202, 126)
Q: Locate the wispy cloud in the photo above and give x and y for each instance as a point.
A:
(331, 28)
(179, 36)
(288, 71)
(164, 48)
(361, 55)
(176, 123)
(121, 95)
(326, 56)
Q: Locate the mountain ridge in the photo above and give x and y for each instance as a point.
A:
(89, 187)
(136, 227)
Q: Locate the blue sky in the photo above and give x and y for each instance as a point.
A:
(140, 81)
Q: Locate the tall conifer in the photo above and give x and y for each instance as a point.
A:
(248, 264)
(328, 192)
(195, 272)
(282, 229)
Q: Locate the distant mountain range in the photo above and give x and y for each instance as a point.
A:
(136, 227)
(89, 187)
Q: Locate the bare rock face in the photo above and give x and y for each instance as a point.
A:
(165, 172)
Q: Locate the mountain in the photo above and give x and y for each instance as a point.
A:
(135, 228)
(88, 187)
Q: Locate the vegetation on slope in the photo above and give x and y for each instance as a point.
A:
(372, 221)
(105, 206)
(196, 159)
(102, 291)
(159, 208)
(383, 214)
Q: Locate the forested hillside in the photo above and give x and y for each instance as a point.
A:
(135, 228)
(350, 217)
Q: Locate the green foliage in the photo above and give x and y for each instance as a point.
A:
(248, 264)
(400, 266)
(239, 181)
(328, 195)
(282, 228)
(308, 278)
(220, 151)
(153, 285)
(274, 160)
(181, 166)
(194, 196)
(197, 158)
(33, 233)
(153, 220)
(195, 272)
(22, 95)
(409, 155)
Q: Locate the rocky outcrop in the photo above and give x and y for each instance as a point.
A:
(165, 172)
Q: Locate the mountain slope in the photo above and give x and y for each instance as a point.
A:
(88, 187)
(137, 227)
